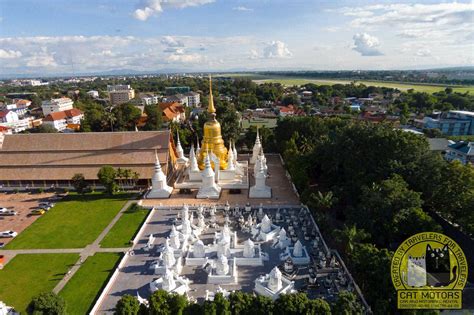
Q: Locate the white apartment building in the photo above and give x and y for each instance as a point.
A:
(194, 99)
(56, 105)
(150, 100)
(119, 94)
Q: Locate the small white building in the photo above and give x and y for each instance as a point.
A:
(61, 120)
(8, 116)
(56, 105)
(93, 94)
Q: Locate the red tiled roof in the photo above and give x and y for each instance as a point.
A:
(63, 115)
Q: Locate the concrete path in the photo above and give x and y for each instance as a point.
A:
(85, 252)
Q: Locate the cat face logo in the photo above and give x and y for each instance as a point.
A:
(429, 271)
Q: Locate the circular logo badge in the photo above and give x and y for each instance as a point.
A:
(429, 271)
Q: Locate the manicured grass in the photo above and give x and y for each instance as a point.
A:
(28, 275)
(125, 228)
(74, 222)
(401, 86)
(85, 286)
(264, 122)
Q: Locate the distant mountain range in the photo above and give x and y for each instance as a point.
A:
(125, 72)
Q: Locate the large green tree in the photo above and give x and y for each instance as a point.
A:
(127, 305)
(47, 303)
(107, 177)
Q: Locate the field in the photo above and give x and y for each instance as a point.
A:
(75, 222)
(289, 81)
(125, 228)
(28, 275)
(261, 122)
(84, 287)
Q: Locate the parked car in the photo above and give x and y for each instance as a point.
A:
(46, 205)
(8, 234)
(38, 211)
(5, 211)
(2, 245)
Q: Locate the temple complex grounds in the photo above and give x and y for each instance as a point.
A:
(72, 249)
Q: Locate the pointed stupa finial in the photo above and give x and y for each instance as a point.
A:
(257, 141)
(211, 109)
(157, 162)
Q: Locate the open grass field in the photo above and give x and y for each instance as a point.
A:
(74, 222)
(125, 228)
(85, 286)
(28, 275)
(289, 81)
(260, 122)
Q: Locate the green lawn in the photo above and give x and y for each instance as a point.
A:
(84, 287)
(401, 86)
(28, 275)
(125, 228)
(74, 222)
(289, 81)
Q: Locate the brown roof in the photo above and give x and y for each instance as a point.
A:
(60, 156)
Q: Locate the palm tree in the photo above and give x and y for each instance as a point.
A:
(135, 178)
(110, 118)
(349, 236)
(322, 201)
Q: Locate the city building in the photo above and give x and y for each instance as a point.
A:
(55, 105)
(179, 98)
(462, 151)
(68, 119)
(171, 90)
(452, 123)
(8, 116)
(173, 112)
(120, 94)
(52, 159)
(149, 99)
(194, 99)
(93, 93)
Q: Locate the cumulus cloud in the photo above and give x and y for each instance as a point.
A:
(366, 44)
(185, 58)
(242, 8)
(9, 54)
(276, 49)
(170, 41)
(147, 8)
(423, 52)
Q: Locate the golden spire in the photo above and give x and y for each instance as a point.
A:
(211, 109)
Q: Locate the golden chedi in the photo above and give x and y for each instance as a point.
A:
(212, 138)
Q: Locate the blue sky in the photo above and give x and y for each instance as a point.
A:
(55, 36)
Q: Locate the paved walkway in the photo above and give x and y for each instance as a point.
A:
(85, 252)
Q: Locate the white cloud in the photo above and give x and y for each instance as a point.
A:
(366, 44)
(9, 54)
(170, 41)
(242, 8)
(42, 60)
(254, 54)
(185, 58)
(148, 8)
(423, 52)
(276, 49)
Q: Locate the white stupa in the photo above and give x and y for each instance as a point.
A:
(260, 189)
(256, 149)
(171, 283)
(159, 187)
(230, 159)
(273, 284)
(179, 149)
(249, 249)
(209, 189)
